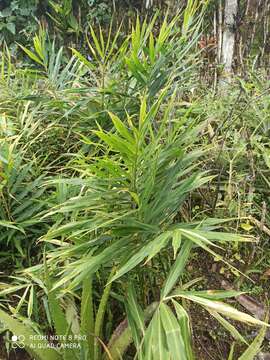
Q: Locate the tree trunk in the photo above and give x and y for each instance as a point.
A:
(220, 25)
(228, 40)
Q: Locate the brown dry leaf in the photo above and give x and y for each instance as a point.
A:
(266, 274)
(249, 303)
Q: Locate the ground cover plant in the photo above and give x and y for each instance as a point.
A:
(133, 196)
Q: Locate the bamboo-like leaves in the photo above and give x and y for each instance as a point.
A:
(135, 317)
(148, 251)
(174, 338)
(39, 349)
(221, 308)
(167, 336)
(177, 268)
(228, 326)
(183, 319)
(156, 245)
(255, 346)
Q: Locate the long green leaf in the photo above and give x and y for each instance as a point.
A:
(39, 349)
(87, 316)
(173, 334)
(255, 346)
(177, 268)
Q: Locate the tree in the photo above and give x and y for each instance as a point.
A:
(228, 39)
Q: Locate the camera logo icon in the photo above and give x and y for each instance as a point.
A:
(17, 341)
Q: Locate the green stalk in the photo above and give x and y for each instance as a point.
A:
(100, 315)
(122, 336)
(87, 315)
(103, 85)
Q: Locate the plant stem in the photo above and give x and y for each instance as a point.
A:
(87, 315)
(100, 315)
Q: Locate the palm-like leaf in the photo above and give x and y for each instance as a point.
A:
(21, 200)
(126, 192)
